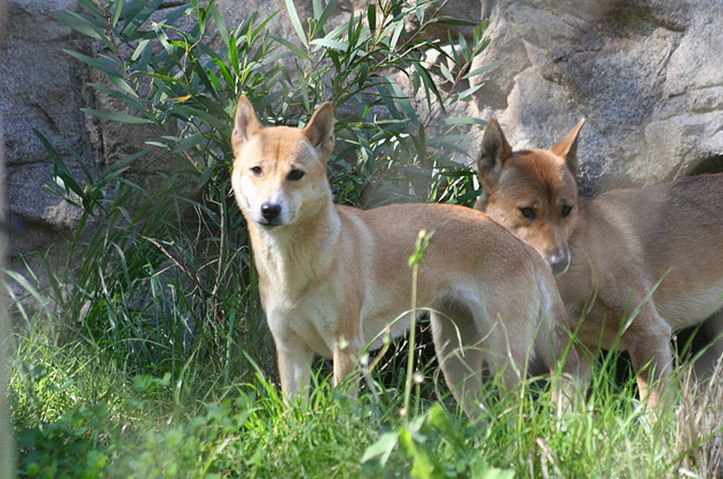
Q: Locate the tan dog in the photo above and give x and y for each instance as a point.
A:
(333, 277)
(610, 253)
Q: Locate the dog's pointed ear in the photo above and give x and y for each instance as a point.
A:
(567, 148)
(493, 154)
(320, 130)
(246, 124)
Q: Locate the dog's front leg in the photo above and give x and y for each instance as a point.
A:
(346, 355)
(294, 359)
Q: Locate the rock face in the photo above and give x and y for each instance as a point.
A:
(647, 75)
(39, 89)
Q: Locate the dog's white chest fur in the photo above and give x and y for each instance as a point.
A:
(312, 317)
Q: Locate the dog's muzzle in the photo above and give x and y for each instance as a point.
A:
(559, 262)
(270, 214)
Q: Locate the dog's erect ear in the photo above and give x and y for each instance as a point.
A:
(245, 123)
(494, 152)
(320, 130)
(567, 148)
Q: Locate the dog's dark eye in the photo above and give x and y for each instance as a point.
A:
(566, 210)
(257, 171)
(295, 175)
(528, 213)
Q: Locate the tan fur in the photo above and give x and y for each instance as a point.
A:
(611, 251)
(333, 277)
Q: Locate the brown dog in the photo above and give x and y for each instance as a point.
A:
(332, 277)
(610, 254)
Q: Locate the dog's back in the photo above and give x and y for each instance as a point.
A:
(676, 229)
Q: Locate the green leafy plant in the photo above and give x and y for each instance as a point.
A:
(159, 269)
(420, 439)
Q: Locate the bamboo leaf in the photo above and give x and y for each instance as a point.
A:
(321, 20)
(60, 169)
(293, 48)
(105, 64)
(372, 18)
(482, 69)
(333, 44)
(446, 73)
(117, 12)
(79, 24)
(295, 22)
(129, 100)
(220, 23)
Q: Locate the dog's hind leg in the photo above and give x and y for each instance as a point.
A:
(457, 342)
(647, 340)
(713, 330)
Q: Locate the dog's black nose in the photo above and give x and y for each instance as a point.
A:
(559, 262)
(270, 211)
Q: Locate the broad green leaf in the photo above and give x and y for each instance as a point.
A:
(80, 24)
(142, 46)
(295, 22)
(293, 48)
(482, 69)
(468, 92)
(60, 169)
(233, 54)
(321, 20)
(91, 7)
(423, 466)
(430, 88)
(184, 112)
(382, 448)
(129, 100)
(122, 85)
(372, 18)
(446, 73)
(135, 22)
(220, 23)
(333, 44)
(117, 12)
(105, 64)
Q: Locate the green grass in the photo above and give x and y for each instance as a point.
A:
(78, 412)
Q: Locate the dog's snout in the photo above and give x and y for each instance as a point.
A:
(559, 261)
(270, 211)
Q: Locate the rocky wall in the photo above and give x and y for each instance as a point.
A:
(647, 75)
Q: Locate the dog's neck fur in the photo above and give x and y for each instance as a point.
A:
(287, 256)
(589, 213)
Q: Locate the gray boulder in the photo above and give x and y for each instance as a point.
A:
(648, 76)
(40, 88)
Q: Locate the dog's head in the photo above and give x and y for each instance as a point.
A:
(532, 192)
(279, 173)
